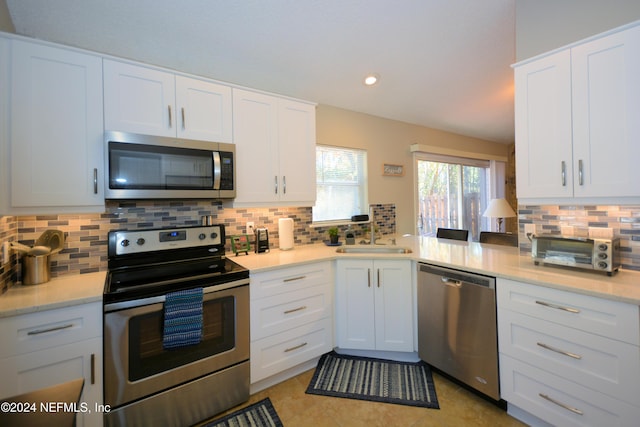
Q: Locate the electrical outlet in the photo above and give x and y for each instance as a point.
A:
(251, 226)
(529, 229)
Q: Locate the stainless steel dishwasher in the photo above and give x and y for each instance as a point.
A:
(457, 326)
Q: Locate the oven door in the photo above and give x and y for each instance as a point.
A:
(135, 363)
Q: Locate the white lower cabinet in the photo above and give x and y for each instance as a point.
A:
(291, 317)
(568, 359)
(50, 347)
(374, 305)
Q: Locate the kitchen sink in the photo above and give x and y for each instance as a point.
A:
(373, 250)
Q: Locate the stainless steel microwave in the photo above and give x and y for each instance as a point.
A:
(154, 167)
(590, 254)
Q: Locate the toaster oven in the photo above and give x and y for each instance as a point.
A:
(589, 254)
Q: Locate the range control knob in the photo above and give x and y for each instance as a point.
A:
(214, 235)
(603, 247)
(125, 243)
(602, 265)
(202, 236)
(602, 256)
(140, 241)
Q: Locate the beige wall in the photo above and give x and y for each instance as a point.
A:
(388, 141)
(5, 19)
(544, 25)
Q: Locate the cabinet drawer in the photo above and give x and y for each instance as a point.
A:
(37, 331)
(599, 363)
(558, 401)
(277, 353)
(281, 312)
(610, 319)
(290, 279)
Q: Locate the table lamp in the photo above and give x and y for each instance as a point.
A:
(499, 208)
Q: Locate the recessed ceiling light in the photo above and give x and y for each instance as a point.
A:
(371, 79)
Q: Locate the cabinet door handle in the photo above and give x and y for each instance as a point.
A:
(183, 122)
(284, 184)
(560, 404)
(580, 173)
(293, 279)
(169, 110)
(558, 307)
(276, 184)
(563, 170)
(293, 310)
(378, 277)
(93, 368)
(295, 347)
(557, 350)
(55, 328)
(368, 277)
(95, 180)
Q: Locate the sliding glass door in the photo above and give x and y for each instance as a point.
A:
(452, 194)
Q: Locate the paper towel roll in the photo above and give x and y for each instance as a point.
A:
(285, 233)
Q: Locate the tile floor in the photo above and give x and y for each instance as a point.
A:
(458, 407)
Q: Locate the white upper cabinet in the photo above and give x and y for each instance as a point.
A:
(204, 110)
(576, 120)
(275, 146)
(606, 115)
(153, 102)
(543, 127)
(55, 142)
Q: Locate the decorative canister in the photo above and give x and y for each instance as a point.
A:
(36, 269)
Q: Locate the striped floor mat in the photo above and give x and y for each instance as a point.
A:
(260, 414)
(403, 383)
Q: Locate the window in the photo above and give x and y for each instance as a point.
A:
(452, 193)
(341, 183)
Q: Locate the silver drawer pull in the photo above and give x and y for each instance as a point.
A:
(44, 331)
(558, 307)
(293, 310)
(560, 404)
(557, 350)
(295, 348)
(293, 279)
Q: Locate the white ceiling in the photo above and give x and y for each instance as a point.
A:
(442, 63)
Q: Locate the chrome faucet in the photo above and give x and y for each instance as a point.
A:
(372, 241)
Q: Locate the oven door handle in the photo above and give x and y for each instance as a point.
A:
(161, 298)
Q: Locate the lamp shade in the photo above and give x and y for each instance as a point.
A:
(499, 208)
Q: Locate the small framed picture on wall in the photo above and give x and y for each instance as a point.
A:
(392, 170)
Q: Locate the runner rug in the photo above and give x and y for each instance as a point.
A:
(260, 414)
(402, 383)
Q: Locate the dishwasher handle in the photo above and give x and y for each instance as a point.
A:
(457, 278)
(451, 282)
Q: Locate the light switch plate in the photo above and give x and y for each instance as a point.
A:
(6, 251)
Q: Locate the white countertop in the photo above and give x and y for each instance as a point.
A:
(59, 292)
(498, 261)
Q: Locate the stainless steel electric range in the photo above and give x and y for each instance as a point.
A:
(146, 383)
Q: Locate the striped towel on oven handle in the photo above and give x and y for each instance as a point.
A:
(182, 318)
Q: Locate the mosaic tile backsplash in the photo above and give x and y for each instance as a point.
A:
(583, 221)
(85, 248)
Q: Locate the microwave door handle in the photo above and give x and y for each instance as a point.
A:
(216, 170)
